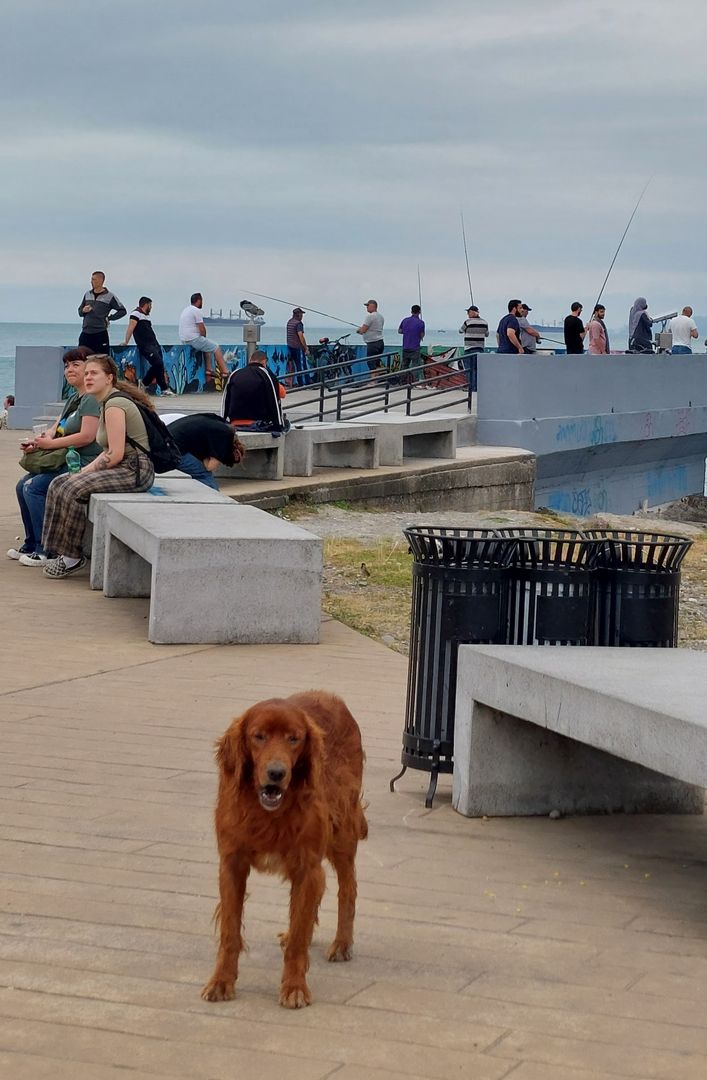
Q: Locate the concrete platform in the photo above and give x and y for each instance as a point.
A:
(507, 949)
(579, 730)
(348, 446)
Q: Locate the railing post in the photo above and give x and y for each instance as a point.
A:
(321, 402)
(409, 399)
(338, 403)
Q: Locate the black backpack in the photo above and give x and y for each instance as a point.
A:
(163, 451)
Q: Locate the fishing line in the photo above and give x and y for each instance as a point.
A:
(616, 253)
(288, 303)
(466, 256)
(419, 287)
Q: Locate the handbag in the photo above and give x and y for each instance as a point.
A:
(40, 461)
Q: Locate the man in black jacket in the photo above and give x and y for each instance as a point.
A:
(252, 399)
(206, 441)
(95, 310)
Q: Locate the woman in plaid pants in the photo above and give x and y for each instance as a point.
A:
(120, 467)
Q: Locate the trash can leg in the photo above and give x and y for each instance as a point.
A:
(432, 789)
(396, 778)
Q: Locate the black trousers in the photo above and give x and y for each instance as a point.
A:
(96, 341)
(373, 349)
(155, 367)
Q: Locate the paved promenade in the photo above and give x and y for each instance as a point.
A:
(526, 949)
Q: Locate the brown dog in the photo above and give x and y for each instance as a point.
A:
(289, 796)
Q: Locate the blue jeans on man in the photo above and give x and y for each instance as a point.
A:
(301, 375)
(681, 349)
(196, 469)
(31, 493)
(470, 361)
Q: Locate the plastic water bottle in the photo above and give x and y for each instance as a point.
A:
(73, 460)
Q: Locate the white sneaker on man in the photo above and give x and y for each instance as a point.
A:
(33, 559)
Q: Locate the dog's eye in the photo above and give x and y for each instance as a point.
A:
(259, 736)
(293, 738)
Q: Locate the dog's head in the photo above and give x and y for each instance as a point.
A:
(275, 747)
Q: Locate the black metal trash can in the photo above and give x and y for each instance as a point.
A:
(638, 587)
(552, 587)
(459, 596)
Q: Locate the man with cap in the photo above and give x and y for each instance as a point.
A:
(371, 329)
(475, 331)
(529, 337)
(297, 349)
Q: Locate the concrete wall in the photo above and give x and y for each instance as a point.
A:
(39, 378)
(610, 432)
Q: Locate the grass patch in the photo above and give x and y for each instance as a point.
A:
(368, 587)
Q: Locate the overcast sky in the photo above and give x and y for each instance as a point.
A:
(320, 151)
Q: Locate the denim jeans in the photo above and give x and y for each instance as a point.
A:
(31, 493)
(681, 349)
(191, 465)
(470, 361)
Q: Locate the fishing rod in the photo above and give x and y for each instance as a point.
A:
(616, 253)
(288, 303)
(419, 287)
(466, 256)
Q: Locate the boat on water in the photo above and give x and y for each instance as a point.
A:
(549, 328)
(234, 318)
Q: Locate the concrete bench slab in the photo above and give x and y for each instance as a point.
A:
(342, 446)
(215, 573)
(165, 489)
(401, 437)
(264, 459)
(584, 730)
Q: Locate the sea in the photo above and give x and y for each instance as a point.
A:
(67, 334)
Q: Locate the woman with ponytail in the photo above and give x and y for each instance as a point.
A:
(122, 465)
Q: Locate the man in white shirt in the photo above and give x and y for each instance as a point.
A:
(193, 332)
(371, 329)
(684, 329)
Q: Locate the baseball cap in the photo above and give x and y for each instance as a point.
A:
(370, 302)
(298, 311)
(472, 307)
(526, 307)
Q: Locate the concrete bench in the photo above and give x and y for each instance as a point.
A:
(166, 488)
(215, 573)
(343, 446)
(401, 437)
(264, 459)
(579, 730)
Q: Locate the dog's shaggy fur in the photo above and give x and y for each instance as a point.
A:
(289, 796)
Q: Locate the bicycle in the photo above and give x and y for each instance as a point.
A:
(335, 357)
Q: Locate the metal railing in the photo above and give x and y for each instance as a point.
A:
(344, 395)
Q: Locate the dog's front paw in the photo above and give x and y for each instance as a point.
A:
(219, 990)
(339, 950)
(283, 938)
(295, 995)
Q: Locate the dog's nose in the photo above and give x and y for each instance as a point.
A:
(276, 772)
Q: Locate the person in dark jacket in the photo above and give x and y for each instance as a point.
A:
(206, 441)
(253, 396)
(140, 328)
(640, 334)
(95, 310)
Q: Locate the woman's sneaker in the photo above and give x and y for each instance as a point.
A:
(33, 559)
(17, 553)
(57, 568)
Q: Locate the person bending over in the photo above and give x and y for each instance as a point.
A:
(123, 465)
(206, 441)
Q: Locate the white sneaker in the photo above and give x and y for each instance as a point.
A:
(168, 393)
(34, 559)
(16, 553)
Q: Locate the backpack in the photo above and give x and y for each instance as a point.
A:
(163, 451)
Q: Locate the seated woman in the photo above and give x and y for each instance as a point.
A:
(122, 465)
(77, 426)
(206, 441)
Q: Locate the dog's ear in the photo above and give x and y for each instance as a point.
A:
(232, 750)
(310, 764)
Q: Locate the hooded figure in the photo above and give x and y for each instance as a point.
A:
(640, 336)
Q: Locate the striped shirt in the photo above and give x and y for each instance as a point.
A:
(474, 331)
